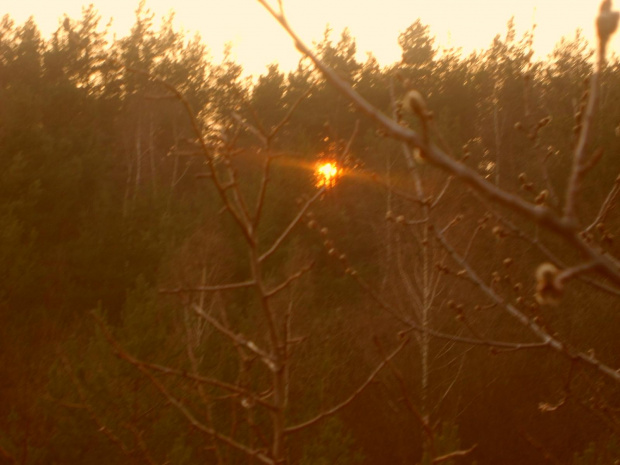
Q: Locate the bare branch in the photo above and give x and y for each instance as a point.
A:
(291, 225)
(260, 198)
(437, 199)
(574, 271)
(236, 338)
(266, 139)
(288, 115)
(413, 326)
(517, 232)
(564, 226)
(453, 455)
(289, 280)
(258, 132)
(351, 398)
(549, 458)
(424, 420)
(546, 338)
(138, 436)
(606, 206)
(493, 344)
(260, 455)
(212, 288)
(242, 222)
(195, 377)
(101, 426)
(578, 168)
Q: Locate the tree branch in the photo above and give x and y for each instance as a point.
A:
(347, 401)
(564, 226)
(181, 408)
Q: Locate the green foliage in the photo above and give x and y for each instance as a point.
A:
(600, 454)
(269, 89)
(333, 444)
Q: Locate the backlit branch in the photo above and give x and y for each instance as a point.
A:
(288, 280)
(236, 338)
(454, 455)
(221, 187)
(335, 409)
(211, 288)
(287, 231)
(178, 404)
(564, 226)
(545, 337)
(606, 206)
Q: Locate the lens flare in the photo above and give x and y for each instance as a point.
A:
(326, 174)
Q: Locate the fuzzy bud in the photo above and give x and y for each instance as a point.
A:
(548, 288)
(414, 102)
(542, 197)
(499, 232)
(606, 23)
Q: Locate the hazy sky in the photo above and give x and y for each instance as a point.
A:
(375, 24)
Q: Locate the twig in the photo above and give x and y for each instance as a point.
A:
(289, 280)
(242, 222)
(236, 338)
(291, 225)
(552, 257)
(141, 444)
(101, 427)
(262, 191)
(546, 338)
(212, 288)
(579, 169)
(260, 455)
(288, 115)
(257, 131)
(606, 206)
(424, 421)
(413, 326)
(549, 458)
(453, 455)
(348, 400)
(443, 191)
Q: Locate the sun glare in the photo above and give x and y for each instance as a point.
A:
(327, 174)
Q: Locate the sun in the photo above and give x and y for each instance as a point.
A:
(326, 174)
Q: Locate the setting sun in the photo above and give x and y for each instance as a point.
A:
(327, 174)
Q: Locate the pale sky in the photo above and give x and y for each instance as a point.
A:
(258, 40)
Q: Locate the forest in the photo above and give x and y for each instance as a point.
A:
(180, 286)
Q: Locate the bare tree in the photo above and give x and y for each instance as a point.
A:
(240, 401)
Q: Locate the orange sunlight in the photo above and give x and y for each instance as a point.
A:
(327, 173)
